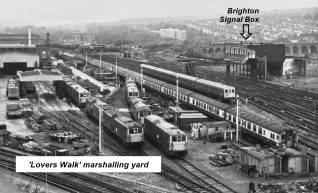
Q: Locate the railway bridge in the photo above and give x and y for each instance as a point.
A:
(301, 49)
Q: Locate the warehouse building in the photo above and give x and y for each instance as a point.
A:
(18, 56)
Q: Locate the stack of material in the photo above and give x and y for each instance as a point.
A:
(38, 116)
(52, 125)
(225, 157)
(32, 124)
(30, 145)
(67, 137)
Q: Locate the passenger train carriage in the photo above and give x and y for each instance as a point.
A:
(204, 86)
(262, 129)
(167, 137)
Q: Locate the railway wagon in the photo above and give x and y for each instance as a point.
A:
(167, 137)
(92, 108)
(27, 88)
(127, 131)
(13, 89)
(203, 86)
(131, 89)
(139, 110)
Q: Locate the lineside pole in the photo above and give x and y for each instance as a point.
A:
(100, 129)
(237, 118)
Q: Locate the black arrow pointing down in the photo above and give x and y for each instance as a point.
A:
(248, 34)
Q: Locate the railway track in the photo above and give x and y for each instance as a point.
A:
(71, 182)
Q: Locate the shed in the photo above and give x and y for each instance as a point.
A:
(264, 161)
(185, 119)
(312, 156)
(177, 111)
(294, 161)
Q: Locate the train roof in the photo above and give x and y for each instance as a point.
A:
(168, 128)
(140, 106)
(260, 121)
(181, 90)
(155, 80)
(79, 88)
(192, 78)
(127, 122)
(209, 101)
(215, 84)
(132, 89)
(67, 54)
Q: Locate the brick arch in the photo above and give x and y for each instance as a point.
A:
(287, 50)
(218, 50)
(304, 50)
(313, 49)
(224, 50)
(210, 51)
(295, 50)
(204, 51)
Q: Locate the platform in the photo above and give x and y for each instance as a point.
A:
(39, 76)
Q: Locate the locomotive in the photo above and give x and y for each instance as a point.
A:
(127, 131)
(68, 88)
(167, 137)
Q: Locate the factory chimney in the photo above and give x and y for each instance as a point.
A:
(47, 39)
(29, 37)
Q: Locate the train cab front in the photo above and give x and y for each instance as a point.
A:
(136, 136)
(178, 146)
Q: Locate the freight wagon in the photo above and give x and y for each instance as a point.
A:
(13, 88)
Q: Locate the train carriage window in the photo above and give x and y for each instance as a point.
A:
(277, 137)
(234, 119)
(227, 116)
(264, 132)
(196, 103)
(210, 108)
(272, 136)
(260, 130)
(184, 138)
(249, 125)
(254, 128)
(222, 113)
(204, 106)
(174, 138)
(217, 111)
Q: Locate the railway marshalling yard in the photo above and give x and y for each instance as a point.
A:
(61, 116)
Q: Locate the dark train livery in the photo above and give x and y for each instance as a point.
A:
(203, 86)
(127, 131)
(167, 137)
(68, 88)
(139, 110)
(262, 129)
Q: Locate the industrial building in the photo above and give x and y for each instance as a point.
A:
(18, 56)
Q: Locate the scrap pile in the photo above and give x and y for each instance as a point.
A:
(293, 187)
(30, 145)
(225, 157)
(66, 137)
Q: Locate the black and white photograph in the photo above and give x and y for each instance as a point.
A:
(158, 96)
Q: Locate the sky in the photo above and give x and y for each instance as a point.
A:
(74, 11)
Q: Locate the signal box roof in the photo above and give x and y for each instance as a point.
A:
(39, 75)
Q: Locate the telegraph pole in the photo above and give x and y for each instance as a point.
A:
(116, 73)
(86, 59)
(100, 59)
(100, 129)
(141, 79)
(237, 118)
(177, 90)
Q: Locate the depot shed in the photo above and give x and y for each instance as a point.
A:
(184, 120)
(294, 161)
(264, 161)
(312, 156)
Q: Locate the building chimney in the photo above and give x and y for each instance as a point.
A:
(29, 37)
(47, 39)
